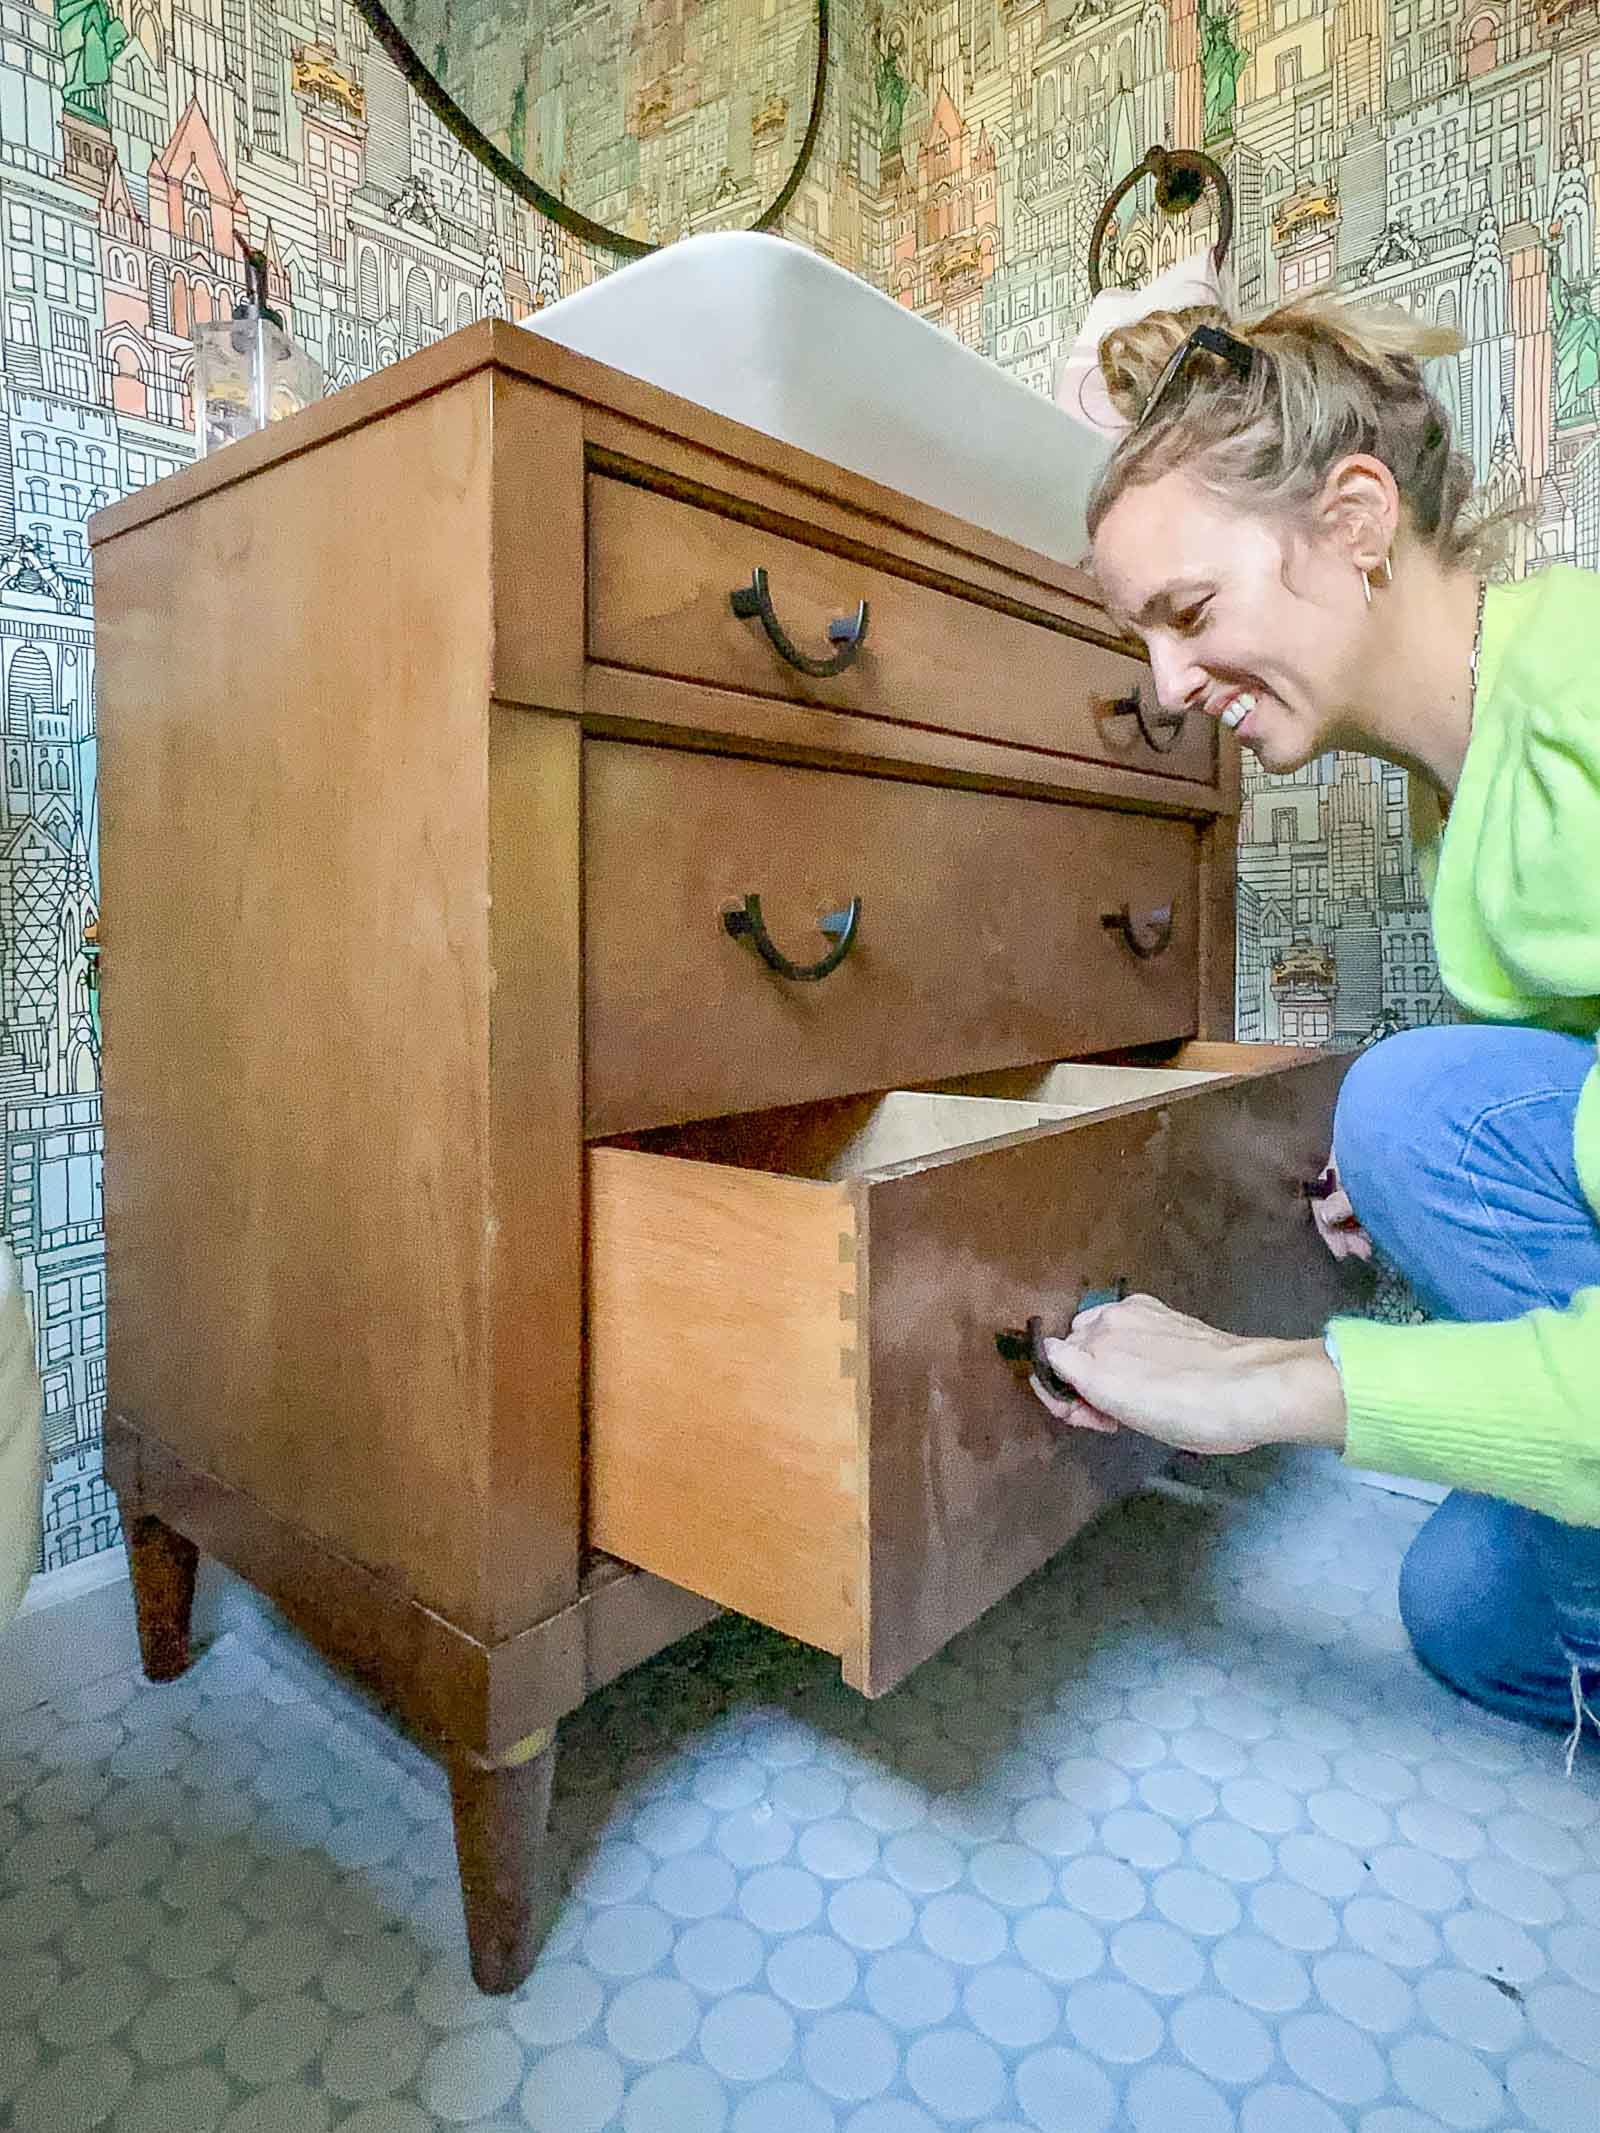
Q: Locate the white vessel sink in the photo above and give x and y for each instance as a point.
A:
(766, 332)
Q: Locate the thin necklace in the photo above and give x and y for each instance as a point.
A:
(1472, 689)
(1477, 638)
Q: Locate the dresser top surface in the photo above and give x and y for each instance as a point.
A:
(494, 345)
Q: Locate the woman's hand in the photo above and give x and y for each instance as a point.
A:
(1137, 1365)
(1335, 1218)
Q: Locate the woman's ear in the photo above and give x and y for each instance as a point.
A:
(1359, 509)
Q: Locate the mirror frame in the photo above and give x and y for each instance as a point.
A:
(477, 143)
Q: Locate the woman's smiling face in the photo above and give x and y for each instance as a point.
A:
(1244, 619)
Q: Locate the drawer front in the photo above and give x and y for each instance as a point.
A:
(661, 577)
(981, 939)
(1196, 1200)
(858, 1465)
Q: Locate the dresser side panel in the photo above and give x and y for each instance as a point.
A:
(536, 1115)
(292, 698)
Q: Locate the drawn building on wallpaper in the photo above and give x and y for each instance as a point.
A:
(944, 241)
(660, 118)
(116, 236)
(58, 461)
(1440, 154)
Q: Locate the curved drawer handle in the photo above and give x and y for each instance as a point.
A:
(1028, 1346)
(1160, 728)
(754, 601)
(1147, 937)
(840, 927)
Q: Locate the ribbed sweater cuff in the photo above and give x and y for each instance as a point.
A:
(1480, 1407)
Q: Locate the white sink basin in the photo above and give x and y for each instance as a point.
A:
(766, 332)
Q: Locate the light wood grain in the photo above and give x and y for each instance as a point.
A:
(1208, 1056)
(1087, 1086)
(723, 1424)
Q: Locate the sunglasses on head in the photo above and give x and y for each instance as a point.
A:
(1204, 340)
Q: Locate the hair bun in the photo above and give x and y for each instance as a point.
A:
(1341, 379)
(1133, 357)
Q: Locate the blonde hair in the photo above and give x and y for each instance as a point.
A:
(1337, 381)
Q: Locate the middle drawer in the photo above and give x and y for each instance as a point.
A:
(990, 928)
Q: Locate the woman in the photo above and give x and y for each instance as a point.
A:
(1287, 527)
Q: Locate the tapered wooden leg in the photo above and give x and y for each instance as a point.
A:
(162, 1565)
(502, 1811)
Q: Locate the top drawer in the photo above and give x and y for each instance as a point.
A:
(661, 578)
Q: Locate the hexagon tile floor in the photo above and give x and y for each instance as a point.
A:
(1178, 1839)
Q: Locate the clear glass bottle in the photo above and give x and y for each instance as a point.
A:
(247, 369)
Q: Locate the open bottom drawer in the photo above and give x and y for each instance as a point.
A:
(796, 1402)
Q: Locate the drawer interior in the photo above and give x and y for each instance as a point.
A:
(796, 1404)
(867, 1137)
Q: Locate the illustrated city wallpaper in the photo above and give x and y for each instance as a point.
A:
(1437, 153)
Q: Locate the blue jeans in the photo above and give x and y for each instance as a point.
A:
(1455, 1146)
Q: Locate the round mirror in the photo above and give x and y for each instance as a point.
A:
(629, 122)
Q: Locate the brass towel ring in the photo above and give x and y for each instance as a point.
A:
(1181, 175)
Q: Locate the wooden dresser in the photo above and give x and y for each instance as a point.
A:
(521, 1241)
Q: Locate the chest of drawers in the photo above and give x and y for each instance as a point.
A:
(586, 1087)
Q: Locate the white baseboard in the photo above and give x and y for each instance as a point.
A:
(75, 1625)
(54, 1588)
(1399, 1484)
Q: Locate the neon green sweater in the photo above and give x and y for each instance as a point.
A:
(1510, 1409)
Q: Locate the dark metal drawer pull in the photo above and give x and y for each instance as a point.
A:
(1028, 1346)
(754, 602)
(1147, 937)
(840, 927)
(1160, 728)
